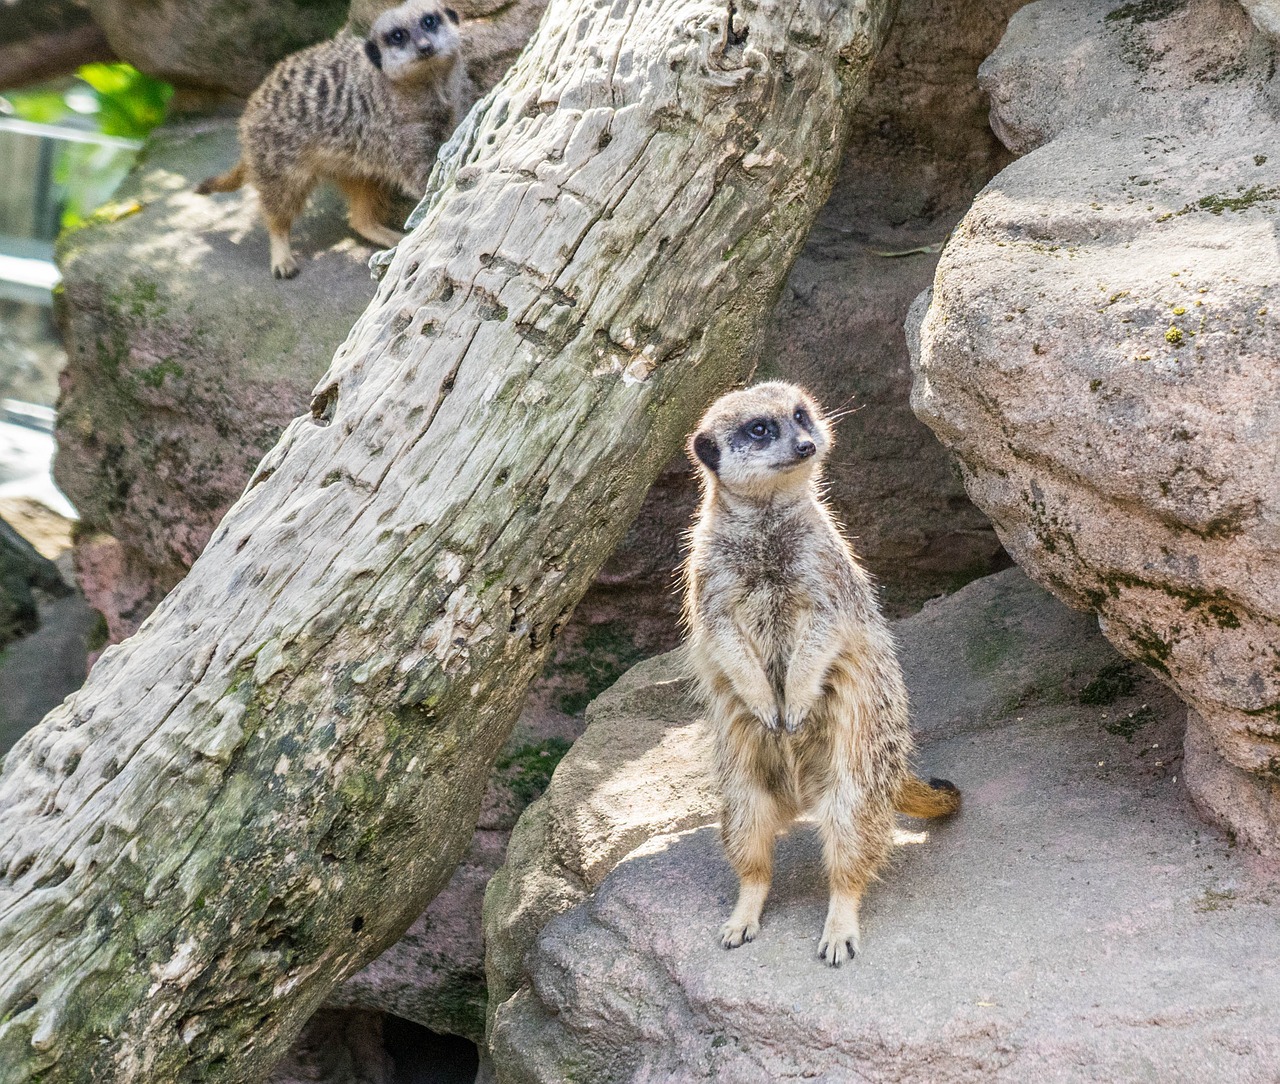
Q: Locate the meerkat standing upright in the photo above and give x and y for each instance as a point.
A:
(794, 661)
(367, 114)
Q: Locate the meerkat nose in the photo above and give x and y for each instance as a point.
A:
(805, 448)
(426, 48)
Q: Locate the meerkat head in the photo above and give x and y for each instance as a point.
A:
(762, 439)
(414, 41)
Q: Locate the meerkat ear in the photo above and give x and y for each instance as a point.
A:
(373, 53)
(707, 450)
(452, 15)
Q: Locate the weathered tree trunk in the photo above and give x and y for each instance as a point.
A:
(260, 790)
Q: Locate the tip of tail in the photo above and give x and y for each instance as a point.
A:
(937, 798)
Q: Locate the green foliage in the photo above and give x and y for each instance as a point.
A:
(130, 104)
(120, 100)
(529, 768)
(116, 100)
(1113, 681)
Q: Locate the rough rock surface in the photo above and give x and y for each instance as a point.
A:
(185, 361)
(920, 149)
(223, 46)
(1100, 353)
(1075, 922)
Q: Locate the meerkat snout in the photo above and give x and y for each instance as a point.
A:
(408, 42)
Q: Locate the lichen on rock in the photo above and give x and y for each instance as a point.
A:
(1099, 350)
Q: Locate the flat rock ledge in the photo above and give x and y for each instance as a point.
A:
(1076, 922)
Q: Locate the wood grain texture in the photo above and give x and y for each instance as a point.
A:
(256, 793)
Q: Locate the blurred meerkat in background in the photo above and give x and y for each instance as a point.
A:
(794, 661)
(367, 114)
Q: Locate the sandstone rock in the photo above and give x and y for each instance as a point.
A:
(185, 361)
(42, 39)
(1074, 923)
(1265, 13)
(1100, 353)
(226, 46)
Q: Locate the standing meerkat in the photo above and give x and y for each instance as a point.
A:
(366, 114)
(794, 661)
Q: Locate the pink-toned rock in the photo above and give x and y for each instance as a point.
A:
(1101, 347)
(1075, 923)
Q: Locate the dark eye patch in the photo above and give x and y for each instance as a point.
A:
(802, 419)
(396, 37)
(759, 430)
(430, 21)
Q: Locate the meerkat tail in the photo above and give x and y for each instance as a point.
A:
(936, 798)
(226, 182)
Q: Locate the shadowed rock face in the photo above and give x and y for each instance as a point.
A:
(920, 149)
(1075, 922)
(225, 46)
(1100, 353)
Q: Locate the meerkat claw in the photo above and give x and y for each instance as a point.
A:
(734, 934)
(795, 720)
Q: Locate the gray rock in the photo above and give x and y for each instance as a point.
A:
(1075, 922)
(1100, 353)
(223, 46)
(185, 361)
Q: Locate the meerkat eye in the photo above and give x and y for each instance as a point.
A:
(397, 37)
(758, 431)
(430, 21)
(802, 417)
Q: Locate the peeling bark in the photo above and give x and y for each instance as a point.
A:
(260, 790)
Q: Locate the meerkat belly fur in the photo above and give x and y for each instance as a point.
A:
(794, 661)
(366, 114)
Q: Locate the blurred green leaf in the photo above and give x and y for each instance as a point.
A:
(130, 103)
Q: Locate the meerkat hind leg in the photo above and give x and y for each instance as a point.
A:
(752, 818)
(366, 204)
(854, 848)
(282, 199)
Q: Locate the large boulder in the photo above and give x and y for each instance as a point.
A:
(1075, 922)
(1100, 351)
(223, 46)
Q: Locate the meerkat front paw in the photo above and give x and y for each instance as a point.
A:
(839, 942)
(795, 719)
(736, 932)
(769, 716)
(285, 269)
